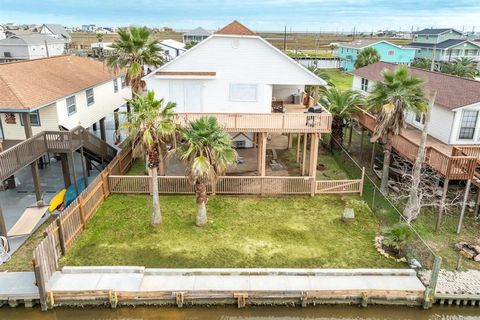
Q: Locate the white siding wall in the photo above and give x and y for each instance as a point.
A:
(48, 121)
(235, 60)
(285, 92)
(357, 84)
(18, 52)
(441, 123)
(105, 102)
(39, 51)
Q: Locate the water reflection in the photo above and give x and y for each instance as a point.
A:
(251, 313)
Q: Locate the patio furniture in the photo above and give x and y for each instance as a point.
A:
(4, 255)
(278, 106)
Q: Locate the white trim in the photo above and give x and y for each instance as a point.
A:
(340, 45)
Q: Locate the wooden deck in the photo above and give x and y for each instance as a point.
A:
(451, 162)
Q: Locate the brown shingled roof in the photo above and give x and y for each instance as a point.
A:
(30, 84)
(236, 28)
(452, 91)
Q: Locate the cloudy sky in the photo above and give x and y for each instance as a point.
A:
(297, 15)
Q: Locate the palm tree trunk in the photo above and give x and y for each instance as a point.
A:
(156, 218)
(387, 152)
(201, 193)
(336, 140)
(412, 209)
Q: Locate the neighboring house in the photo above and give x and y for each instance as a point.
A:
(56, 30)
(64, 91)
(172, 49)
(33, 46)
(101, 49)
(233, 71)
(2, 33)
(347, 52)
(196, 35)
(448, 44)
(455, 116)
(88, 28)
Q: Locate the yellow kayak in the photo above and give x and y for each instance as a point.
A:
(57, 200)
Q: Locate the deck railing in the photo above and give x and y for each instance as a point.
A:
(265, 122)
(460, 165)
(29, 150)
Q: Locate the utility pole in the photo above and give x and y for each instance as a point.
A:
(432, 66)
(285, 39)
(353, 35)
(46, 49)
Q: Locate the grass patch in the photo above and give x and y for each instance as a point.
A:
(22, 258)
(138, 168)
(340, 79)
(303, 232)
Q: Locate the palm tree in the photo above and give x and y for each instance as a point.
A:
(152, 124)
(398, 93)
(133, 51)
(422, 63)
(462, 67)
(207, 152)
(319, 72)
(341, 104)
(367, 56)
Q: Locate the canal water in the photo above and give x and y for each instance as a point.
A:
(249, 313)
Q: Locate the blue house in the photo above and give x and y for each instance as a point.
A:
(389, 52)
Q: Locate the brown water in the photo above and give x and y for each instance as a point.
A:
(249, 313)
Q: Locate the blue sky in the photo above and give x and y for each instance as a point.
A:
(298, 15)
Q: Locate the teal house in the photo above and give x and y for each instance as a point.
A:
(444, 44)
(347, 52)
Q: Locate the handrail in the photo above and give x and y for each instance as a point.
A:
(29, 150)
(451, 166)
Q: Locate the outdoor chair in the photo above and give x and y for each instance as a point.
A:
(4, 255)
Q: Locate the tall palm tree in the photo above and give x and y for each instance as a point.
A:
(341, 104)
(391, 98)
(207, 151)
(134, 50)
(367, 56)
(151, 123)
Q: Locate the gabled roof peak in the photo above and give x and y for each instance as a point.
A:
(236, 28)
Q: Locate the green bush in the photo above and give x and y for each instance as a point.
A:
(397, 236)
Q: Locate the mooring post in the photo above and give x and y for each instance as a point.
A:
(179, 298)
(429, 296)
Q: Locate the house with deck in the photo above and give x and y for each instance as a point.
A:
(251, 87)
(196, 35)
(347, 52)
(57, 93)
(444, 45)
(453, 145)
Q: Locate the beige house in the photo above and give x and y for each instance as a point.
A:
(58, 92)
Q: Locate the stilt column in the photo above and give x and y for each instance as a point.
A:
(103, 135)
(35, 172)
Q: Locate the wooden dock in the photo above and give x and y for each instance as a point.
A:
(18, 288)
(114, 286)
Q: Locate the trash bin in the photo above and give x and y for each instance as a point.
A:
(296, 99)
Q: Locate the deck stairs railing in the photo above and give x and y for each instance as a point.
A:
(29, 150)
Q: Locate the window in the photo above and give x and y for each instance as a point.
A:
(469, 122)
(115, 85)
(90, 97)
(364, 85)
(391, 52)
(71, 107)
(122, 79)
(420, 118)
(243, 92)
(34, 119)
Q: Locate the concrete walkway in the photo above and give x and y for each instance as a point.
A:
(139, 279)
(18, 286)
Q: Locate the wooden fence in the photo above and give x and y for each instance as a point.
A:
(61, 233)
(236, 185)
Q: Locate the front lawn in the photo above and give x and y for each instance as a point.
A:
(286, 231)
(340, 79)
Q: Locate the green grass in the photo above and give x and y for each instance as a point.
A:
(242, 232)
(339, 78)
(138, 168)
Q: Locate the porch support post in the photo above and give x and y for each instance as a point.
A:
(34, 165)
(263, 153)
(74, 174)
(103, 134)
(438, 224)
(372, 160)
(94, 126)
(464, 205)
(299, 139)
(116, 119)
(304, 155)
(361, 142)
(289, 146)
(84, 167)
(65, 170)
(3, 226)
(313, 155)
